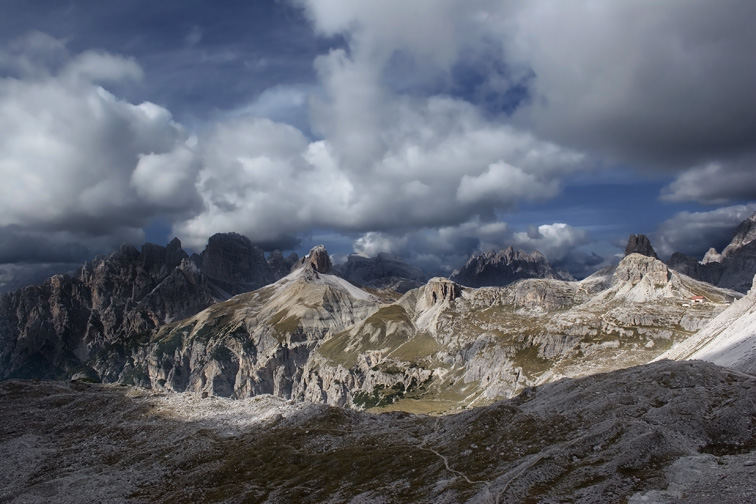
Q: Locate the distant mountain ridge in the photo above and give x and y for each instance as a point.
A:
(732, 269)
(503, 267)
(384, 271)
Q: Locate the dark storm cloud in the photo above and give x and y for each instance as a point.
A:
(666, 83)
(198, 57)
(419, 124)
(82, 169)
(716, 182)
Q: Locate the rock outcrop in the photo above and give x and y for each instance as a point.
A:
(504, 267)
(383, 271)
(639, 244)
(317, 258)
(441, 290)
(711, 256)
(637, 267)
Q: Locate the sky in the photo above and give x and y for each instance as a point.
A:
(430, 129)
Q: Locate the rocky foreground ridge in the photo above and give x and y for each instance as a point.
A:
(669, 432)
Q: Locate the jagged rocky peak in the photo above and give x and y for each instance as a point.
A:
(503, 267)
(318, 258)
(234, 263)
(440, 290)
(61, 327)
(635, 267)
(640, 244)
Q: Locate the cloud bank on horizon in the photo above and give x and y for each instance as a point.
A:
(424, 129)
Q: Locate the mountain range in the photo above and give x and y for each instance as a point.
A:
(525, 365)
(160, 318)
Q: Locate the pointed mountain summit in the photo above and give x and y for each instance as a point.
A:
(317, 258)
(640, 244)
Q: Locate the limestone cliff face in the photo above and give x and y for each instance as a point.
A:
(317, 258)
(441, 290)
(91, 322)
(58, 328)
